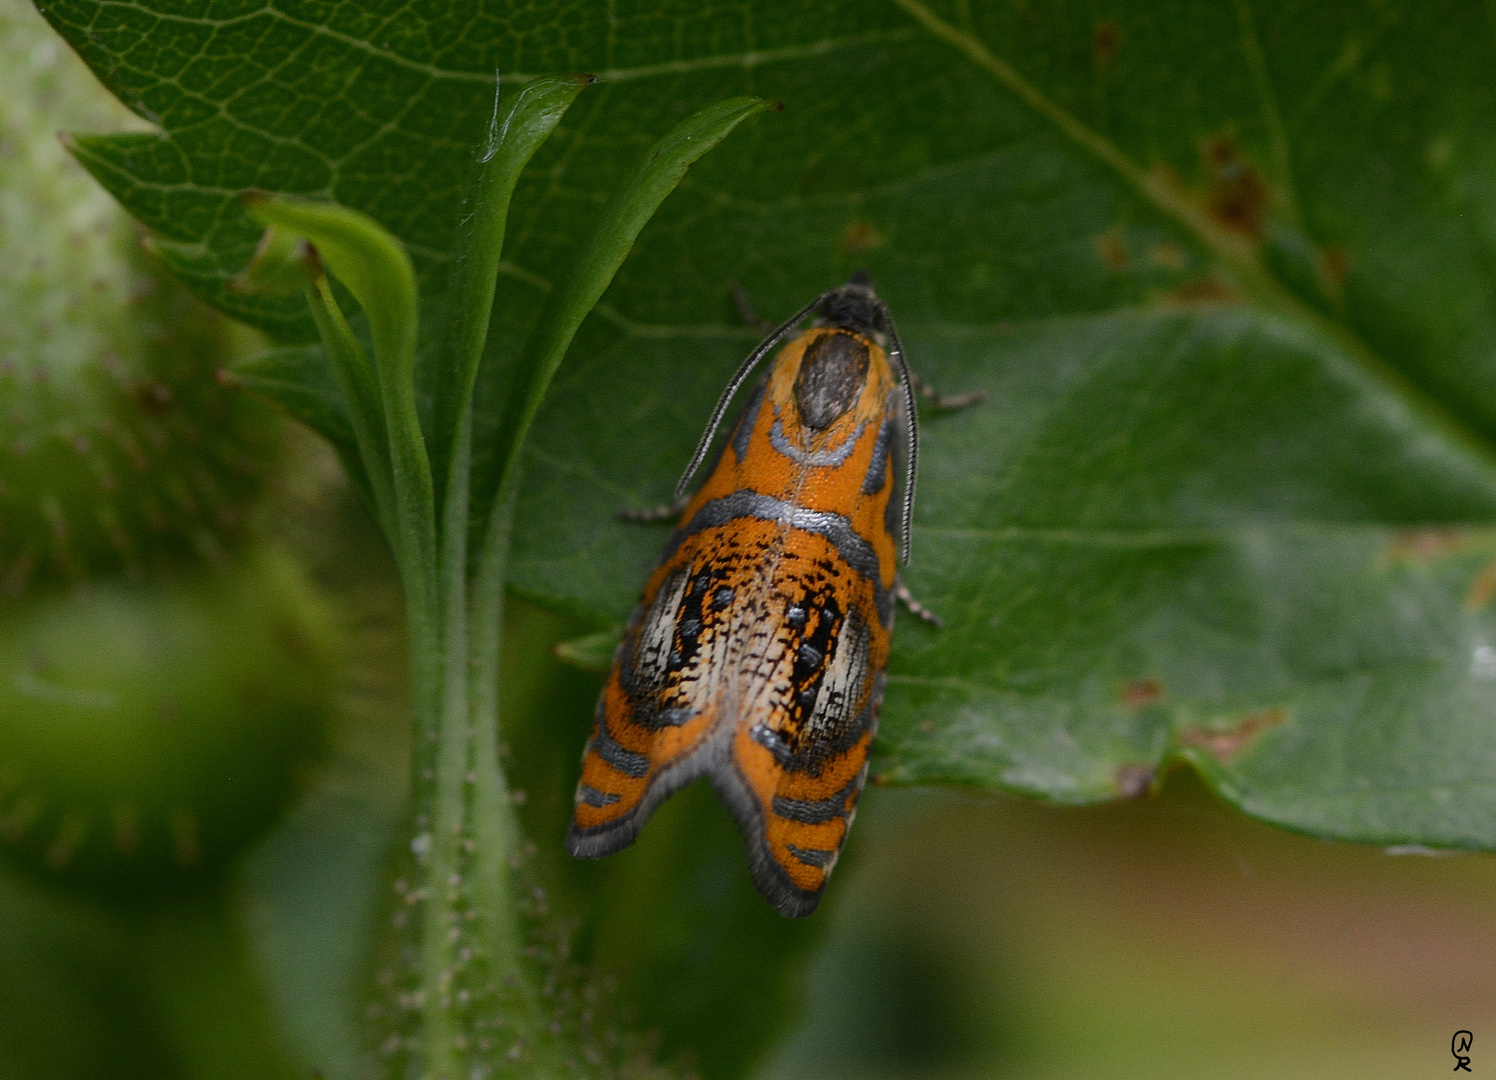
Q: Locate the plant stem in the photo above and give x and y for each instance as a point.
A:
(496, 826)
(437, 650)
(478, 1003)
(472, 940)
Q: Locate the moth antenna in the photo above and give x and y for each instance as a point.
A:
(911, 468)
(738, 379)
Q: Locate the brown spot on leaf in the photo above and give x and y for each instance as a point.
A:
(1105, 42)
(1204, 290)
(861, 236)
(1424, 545)
(1238, 197)
(1225, 745)
(1482, 588)
(1135, 781)
(1109, 246)
(1142, 692)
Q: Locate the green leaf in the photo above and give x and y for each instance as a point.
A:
(537, 109)
(1223, 270)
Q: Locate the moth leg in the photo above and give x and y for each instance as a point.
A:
(657, 513)
(945, 402)
(745, 309)
(918, 610)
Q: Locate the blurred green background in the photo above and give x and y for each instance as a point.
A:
(967, 936)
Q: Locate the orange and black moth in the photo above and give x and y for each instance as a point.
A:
(756, 656)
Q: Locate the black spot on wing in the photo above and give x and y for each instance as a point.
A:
(774, 742)
(691, 620)
(809, 750)
(809, 667)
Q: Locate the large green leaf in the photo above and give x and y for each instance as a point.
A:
(1224, 271)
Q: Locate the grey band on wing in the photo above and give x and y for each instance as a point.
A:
(588, 794)
(625, 761)
(823, 458)
(818, 811)
(855, 551)
(743, 433)
(821, 860)
(877, 468)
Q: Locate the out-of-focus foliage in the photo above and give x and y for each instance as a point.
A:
(168, 668)
(121, 451)
(150, 728)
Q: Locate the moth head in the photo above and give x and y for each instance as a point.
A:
(832, 373)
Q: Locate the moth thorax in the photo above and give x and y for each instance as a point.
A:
(831, 376)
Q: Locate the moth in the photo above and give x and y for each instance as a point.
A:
(756, 656)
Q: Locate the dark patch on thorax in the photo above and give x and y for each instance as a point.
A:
(831, 377)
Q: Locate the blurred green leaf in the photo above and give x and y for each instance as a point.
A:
(153, 729)
(70, 1005)
(1224, 271)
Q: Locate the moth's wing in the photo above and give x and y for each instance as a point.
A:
(657, 711)
(647, 735)
(794, 774)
